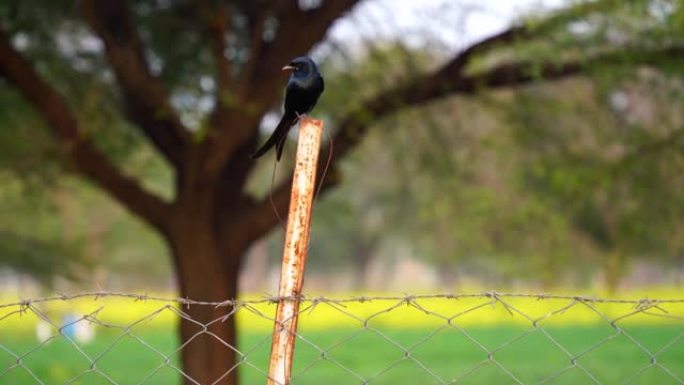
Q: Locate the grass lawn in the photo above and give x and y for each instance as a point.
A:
(381, 356)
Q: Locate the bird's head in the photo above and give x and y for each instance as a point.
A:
(301, 67)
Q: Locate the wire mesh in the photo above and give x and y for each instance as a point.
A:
(482, 338)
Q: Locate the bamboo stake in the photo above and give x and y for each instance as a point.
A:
(295, 251)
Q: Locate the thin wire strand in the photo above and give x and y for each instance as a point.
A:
(270, 194)
(366, 319)
(331, 149)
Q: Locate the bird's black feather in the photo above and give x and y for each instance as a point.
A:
(279, 135)
(304, 87)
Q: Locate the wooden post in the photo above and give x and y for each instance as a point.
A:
(295, 251)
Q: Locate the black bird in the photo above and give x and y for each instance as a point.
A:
(301, 94)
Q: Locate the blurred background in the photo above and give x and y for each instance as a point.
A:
(531, 146)
(572, 182)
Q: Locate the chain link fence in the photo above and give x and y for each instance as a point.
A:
(483, 338)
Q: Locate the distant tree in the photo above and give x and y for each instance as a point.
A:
(613, 166)
(194, 80)
(38, 259)
(30, 245)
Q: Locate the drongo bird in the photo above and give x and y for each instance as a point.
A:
(304, 87)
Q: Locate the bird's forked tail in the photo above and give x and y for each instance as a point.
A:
(278, 137)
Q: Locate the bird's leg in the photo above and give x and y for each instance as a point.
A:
(299, 116)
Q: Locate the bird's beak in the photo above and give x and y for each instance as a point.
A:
(288, 68)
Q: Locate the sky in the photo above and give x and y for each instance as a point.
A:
(453, 24)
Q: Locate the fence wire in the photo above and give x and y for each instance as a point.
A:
(482, 338)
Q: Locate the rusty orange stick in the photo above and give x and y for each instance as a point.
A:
(295, 251)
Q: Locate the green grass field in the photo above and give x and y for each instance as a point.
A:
(386, 341)
(448, 354)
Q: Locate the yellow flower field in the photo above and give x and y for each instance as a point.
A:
(654, 306)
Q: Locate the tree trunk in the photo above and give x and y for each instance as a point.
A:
(614, 270)
(446, 273)
(363, 256)
(206, 271)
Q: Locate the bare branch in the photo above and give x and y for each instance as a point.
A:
(146, 100)
(219, 25)
(256, 22)
(442, 83)
(297, 32)
(448, 80)
(80, 150)
(529, 29)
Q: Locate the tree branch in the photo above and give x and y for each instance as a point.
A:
(256, 20)
(298, 31)
(431, 87)
(219, 25)
(146, 100)
(86, 158)
(529, 29)
(219, 22)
